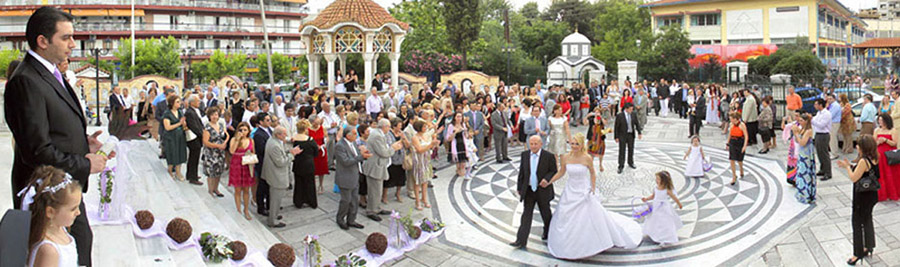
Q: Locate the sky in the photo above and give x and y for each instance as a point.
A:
(316, 5)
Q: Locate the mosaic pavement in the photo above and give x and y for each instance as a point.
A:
(720, 220)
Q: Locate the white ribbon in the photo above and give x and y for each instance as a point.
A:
(28, 193)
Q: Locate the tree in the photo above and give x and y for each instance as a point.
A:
(671, 50)
(426, 19)
(494, 59)
(281, 68)
(575, 14)
(530, 10)
(7, 56)
(463, 20)
(801, 64)
(622, 24)
(538, 38)
(105, 65)
(219, 65)
(764, 65)
(152, 56)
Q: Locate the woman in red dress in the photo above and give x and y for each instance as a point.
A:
(563, 101)
(240, 176)
(887, 138)
(317, 132)
(626, 98)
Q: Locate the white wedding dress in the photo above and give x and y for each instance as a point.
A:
(581, 227)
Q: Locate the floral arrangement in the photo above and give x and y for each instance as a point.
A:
(349, 260)
(239, 250)
(376, 243)
(397, 232)
(144, 219)
(106, 188)
(411, 229)
(417, 61)
(312, 247)
(179, 230)
(430, 226)
(281, 255)
(215, 247)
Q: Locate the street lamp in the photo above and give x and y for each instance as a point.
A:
(189, 77)
(96, 52)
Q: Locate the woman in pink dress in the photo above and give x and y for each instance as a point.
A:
(317, 132)
(887, 137)
(240, 176)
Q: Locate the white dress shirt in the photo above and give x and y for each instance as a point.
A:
(327, 119)
(821, 123)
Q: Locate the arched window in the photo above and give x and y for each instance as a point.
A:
(348, 40)
(383, 41)
(319, 44)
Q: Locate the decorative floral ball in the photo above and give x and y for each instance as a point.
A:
(415, 233)
(144, 219)
(239, 250)
(376, 243)
(281, 255)
(179, 230)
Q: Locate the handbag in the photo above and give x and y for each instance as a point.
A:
(893, 156)
(249, 159)
(869, 181)
(407, 162)
(189, 135)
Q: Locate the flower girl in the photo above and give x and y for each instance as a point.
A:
(53, 199)
(694, 157)
(471, 153)
(663, 223)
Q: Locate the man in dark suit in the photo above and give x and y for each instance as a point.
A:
(698, 114)
(626, 126)
(377, 82)
(348, 160)
(195, 146)
(260, 137)
(45, 116)
(210, 101)
(535, 171)
(501, 127)
(116, 102)
(595, 93)
(476, 123)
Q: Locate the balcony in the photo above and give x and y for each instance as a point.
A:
(229, 4)
(185, 27)
(203, 53)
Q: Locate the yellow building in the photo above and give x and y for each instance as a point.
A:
(738, 29)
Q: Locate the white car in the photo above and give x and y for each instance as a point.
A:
(857, 111)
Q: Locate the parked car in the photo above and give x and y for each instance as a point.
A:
(809, 95)
(857, 111)
(858, 93)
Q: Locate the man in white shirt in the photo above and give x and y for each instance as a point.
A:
(374, 104)
(821, 125)
(252, 109)
(331, 122)
(278, 107)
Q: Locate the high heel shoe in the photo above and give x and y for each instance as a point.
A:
(852, 261)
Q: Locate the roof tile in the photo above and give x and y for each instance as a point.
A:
(364, 12)
(879, 43)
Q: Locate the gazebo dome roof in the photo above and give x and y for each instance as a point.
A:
(366, 13)
(576, 38)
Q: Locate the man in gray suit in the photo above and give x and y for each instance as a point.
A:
(537, 125)
(276, 172)
(476, 123)
(498, 121)
(375, 168)
(348, 162)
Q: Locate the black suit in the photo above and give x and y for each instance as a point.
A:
(194, 124)
(546, 168)
(262, 188)
(115, 104)
(594, 93)
(46, 120)
(696, 119)
(626, 139)
(210, 103)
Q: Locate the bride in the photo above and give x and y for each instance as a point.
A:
(581, 227)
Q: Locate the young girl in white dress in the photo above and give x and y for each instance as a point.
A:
(55, 203)
(663, 223)
(471, 153)
(694, 157)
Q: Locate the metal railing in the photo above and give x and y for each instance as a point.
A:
(233, 4)
(125, 26)
(209, 51)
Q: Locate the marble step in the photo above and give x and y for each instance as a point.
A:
(125, 246)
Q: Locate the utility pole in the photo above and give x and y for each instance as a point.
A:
(262, 10)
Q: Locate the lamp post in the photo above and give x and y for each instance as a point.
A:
(189, 76)
(96, 52)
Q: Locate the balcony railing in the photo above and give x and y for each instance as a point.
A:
(233, 4)
(207, 51)
(180, 27)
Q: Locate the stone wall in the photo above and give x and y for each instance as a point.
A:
(476, 77)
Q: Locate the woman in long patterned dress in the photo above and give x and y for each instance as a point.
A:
(887, 137)
(788, 137)
(317, 132)
(215, 136)
(559, 133)
(422, 146)
(596, 135)
(806, 163)
(239, 175)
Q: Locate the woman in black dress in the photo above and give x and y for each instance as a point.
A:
(305, 167)
(350, 81)
(396, 174)
(237, 108)
(456, 131)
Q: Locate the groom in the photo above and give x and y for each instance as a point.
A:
(535, 171)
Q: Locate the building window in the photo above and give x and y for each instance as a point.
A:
(745, 41)
(667, 21)
(383, 41)
(319, 44)
(348, 40)
(705, 20)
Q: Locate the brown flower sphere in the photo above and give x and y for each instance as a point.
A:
(144, 219)
(376, 243)
(281, 255)
(415, 233)
(179, 230)
(239, 250)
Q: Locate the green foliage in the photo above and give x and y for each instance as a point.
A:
(7, 56)
(463, 21)
(152, 56)
(575, 15)
(530, 10)
(219, 65)
(765, 65)
(538, 38)
(666, 56)
(622, 24)
(522, 68)
(281, 68)
(428, 32)
(800, 64)
(105, 65)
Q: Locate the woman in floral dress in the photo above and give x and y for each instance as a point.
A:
(806, 163)
(214, 136)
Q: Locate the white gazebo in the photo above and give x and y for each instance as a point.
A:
(353, 26)
(575, 61)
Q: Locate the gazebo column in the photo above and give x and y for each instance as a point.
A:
(368, 61)
(330, 59)
(375, 66)
(313, 70)
(343, 59)
(395, 70)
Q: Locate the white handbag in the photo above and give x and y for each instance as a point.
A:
(189, 135)
(249, 159)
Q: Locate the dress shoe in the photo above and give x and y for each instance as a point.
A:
(517, 245)
(632, 166)
(820, 174)
(219, 194)
(195, 182)
(619, 171)
(384, 212)
(344, 226)
(279, 225)
(544, 237)
(264, 213)
(826, 178)
(499, 161)
(507, 159)
(356, 225)
(374, 217)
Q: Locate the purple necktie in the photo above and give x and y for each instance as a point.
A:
(59, 77)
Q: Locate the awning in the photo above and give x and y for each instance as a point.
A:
(89, 12)
(125, 12)
(16, 13)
